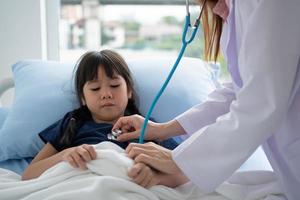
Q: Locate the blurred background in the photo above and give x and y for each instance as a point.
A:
(62, 30)
(136, 28)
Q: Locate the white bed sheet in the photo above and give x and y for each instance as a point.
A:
(106, 179)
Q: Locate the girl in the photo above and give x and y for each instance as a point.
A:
(105, 91)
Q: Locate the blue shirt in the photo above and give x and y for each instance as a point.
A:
(89, 133)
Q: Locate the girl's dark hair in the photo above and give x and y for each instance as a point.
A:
(87, 70)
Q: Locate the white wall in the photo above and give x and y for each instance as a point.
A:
(52, 28)
(28, 30)
(25, 31)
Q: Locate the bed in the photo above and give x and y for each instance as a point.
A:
(43, 93)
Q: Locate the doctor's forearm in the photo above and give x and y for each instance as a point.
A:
(171, 129)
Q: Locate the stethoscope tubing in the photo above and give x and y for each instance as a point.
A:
(185, 42)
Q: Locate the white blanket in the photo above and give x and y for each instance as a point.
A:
(106, 179)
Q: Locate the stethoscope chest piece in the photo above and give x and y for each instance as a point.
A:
(114, 134)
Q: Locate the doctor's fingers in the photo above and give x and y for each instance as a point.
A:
(135, 151)
(148, 177)
(151, 179)
(148, 146)
(134, 121)
(135, 170)
(128, 136)
(127, 129)
(152, 182)
(162, 164)
(141, 174)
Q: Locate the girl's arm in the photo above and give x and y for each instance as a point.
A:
(45, 159)
(49, 156)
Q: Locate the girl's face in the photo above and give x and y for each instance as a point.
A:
(106, 98)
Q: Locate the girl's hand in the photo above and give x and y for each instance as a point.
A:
(153, 155)
(79, 156)
(143, 175)
(131, 127)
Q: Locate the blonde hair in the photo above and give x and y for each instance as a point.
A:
(212, 26)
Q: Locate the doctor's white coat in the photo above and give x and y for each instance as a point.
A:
(261, 41)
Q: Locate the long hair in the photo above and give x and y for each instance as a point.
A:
(87, 70)
(212, 26)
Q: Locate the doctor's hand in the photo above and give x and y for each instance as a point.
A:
(155, 156)
(131, 127)
(143, 175)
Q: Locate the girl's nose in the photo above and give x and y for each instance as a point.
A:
(106, 94)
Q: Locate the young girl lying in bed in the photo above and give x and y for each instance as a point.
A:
(105, 92)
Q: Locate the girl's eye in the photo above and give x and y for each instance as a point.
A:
(115, 86)
(95, 89)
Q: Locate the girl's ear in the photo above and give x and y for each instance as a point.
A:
(129, 94)
(83, 101)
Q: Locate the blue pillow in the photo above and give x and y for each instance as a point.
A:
(43, 94)
(3, 114)
(190, 84)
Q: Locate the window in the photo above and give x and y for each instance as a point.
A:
(135, 28)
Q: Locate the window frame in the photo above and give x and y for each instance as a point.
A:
(131, 2)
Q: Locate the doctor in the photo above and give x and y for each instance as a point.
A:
(261, 42)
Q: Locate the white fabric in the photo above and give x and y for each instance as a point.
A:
(106, 179)
(265, 110)
(219, 100)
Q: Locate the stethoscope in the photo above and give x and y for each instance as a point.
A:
(185, 41)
